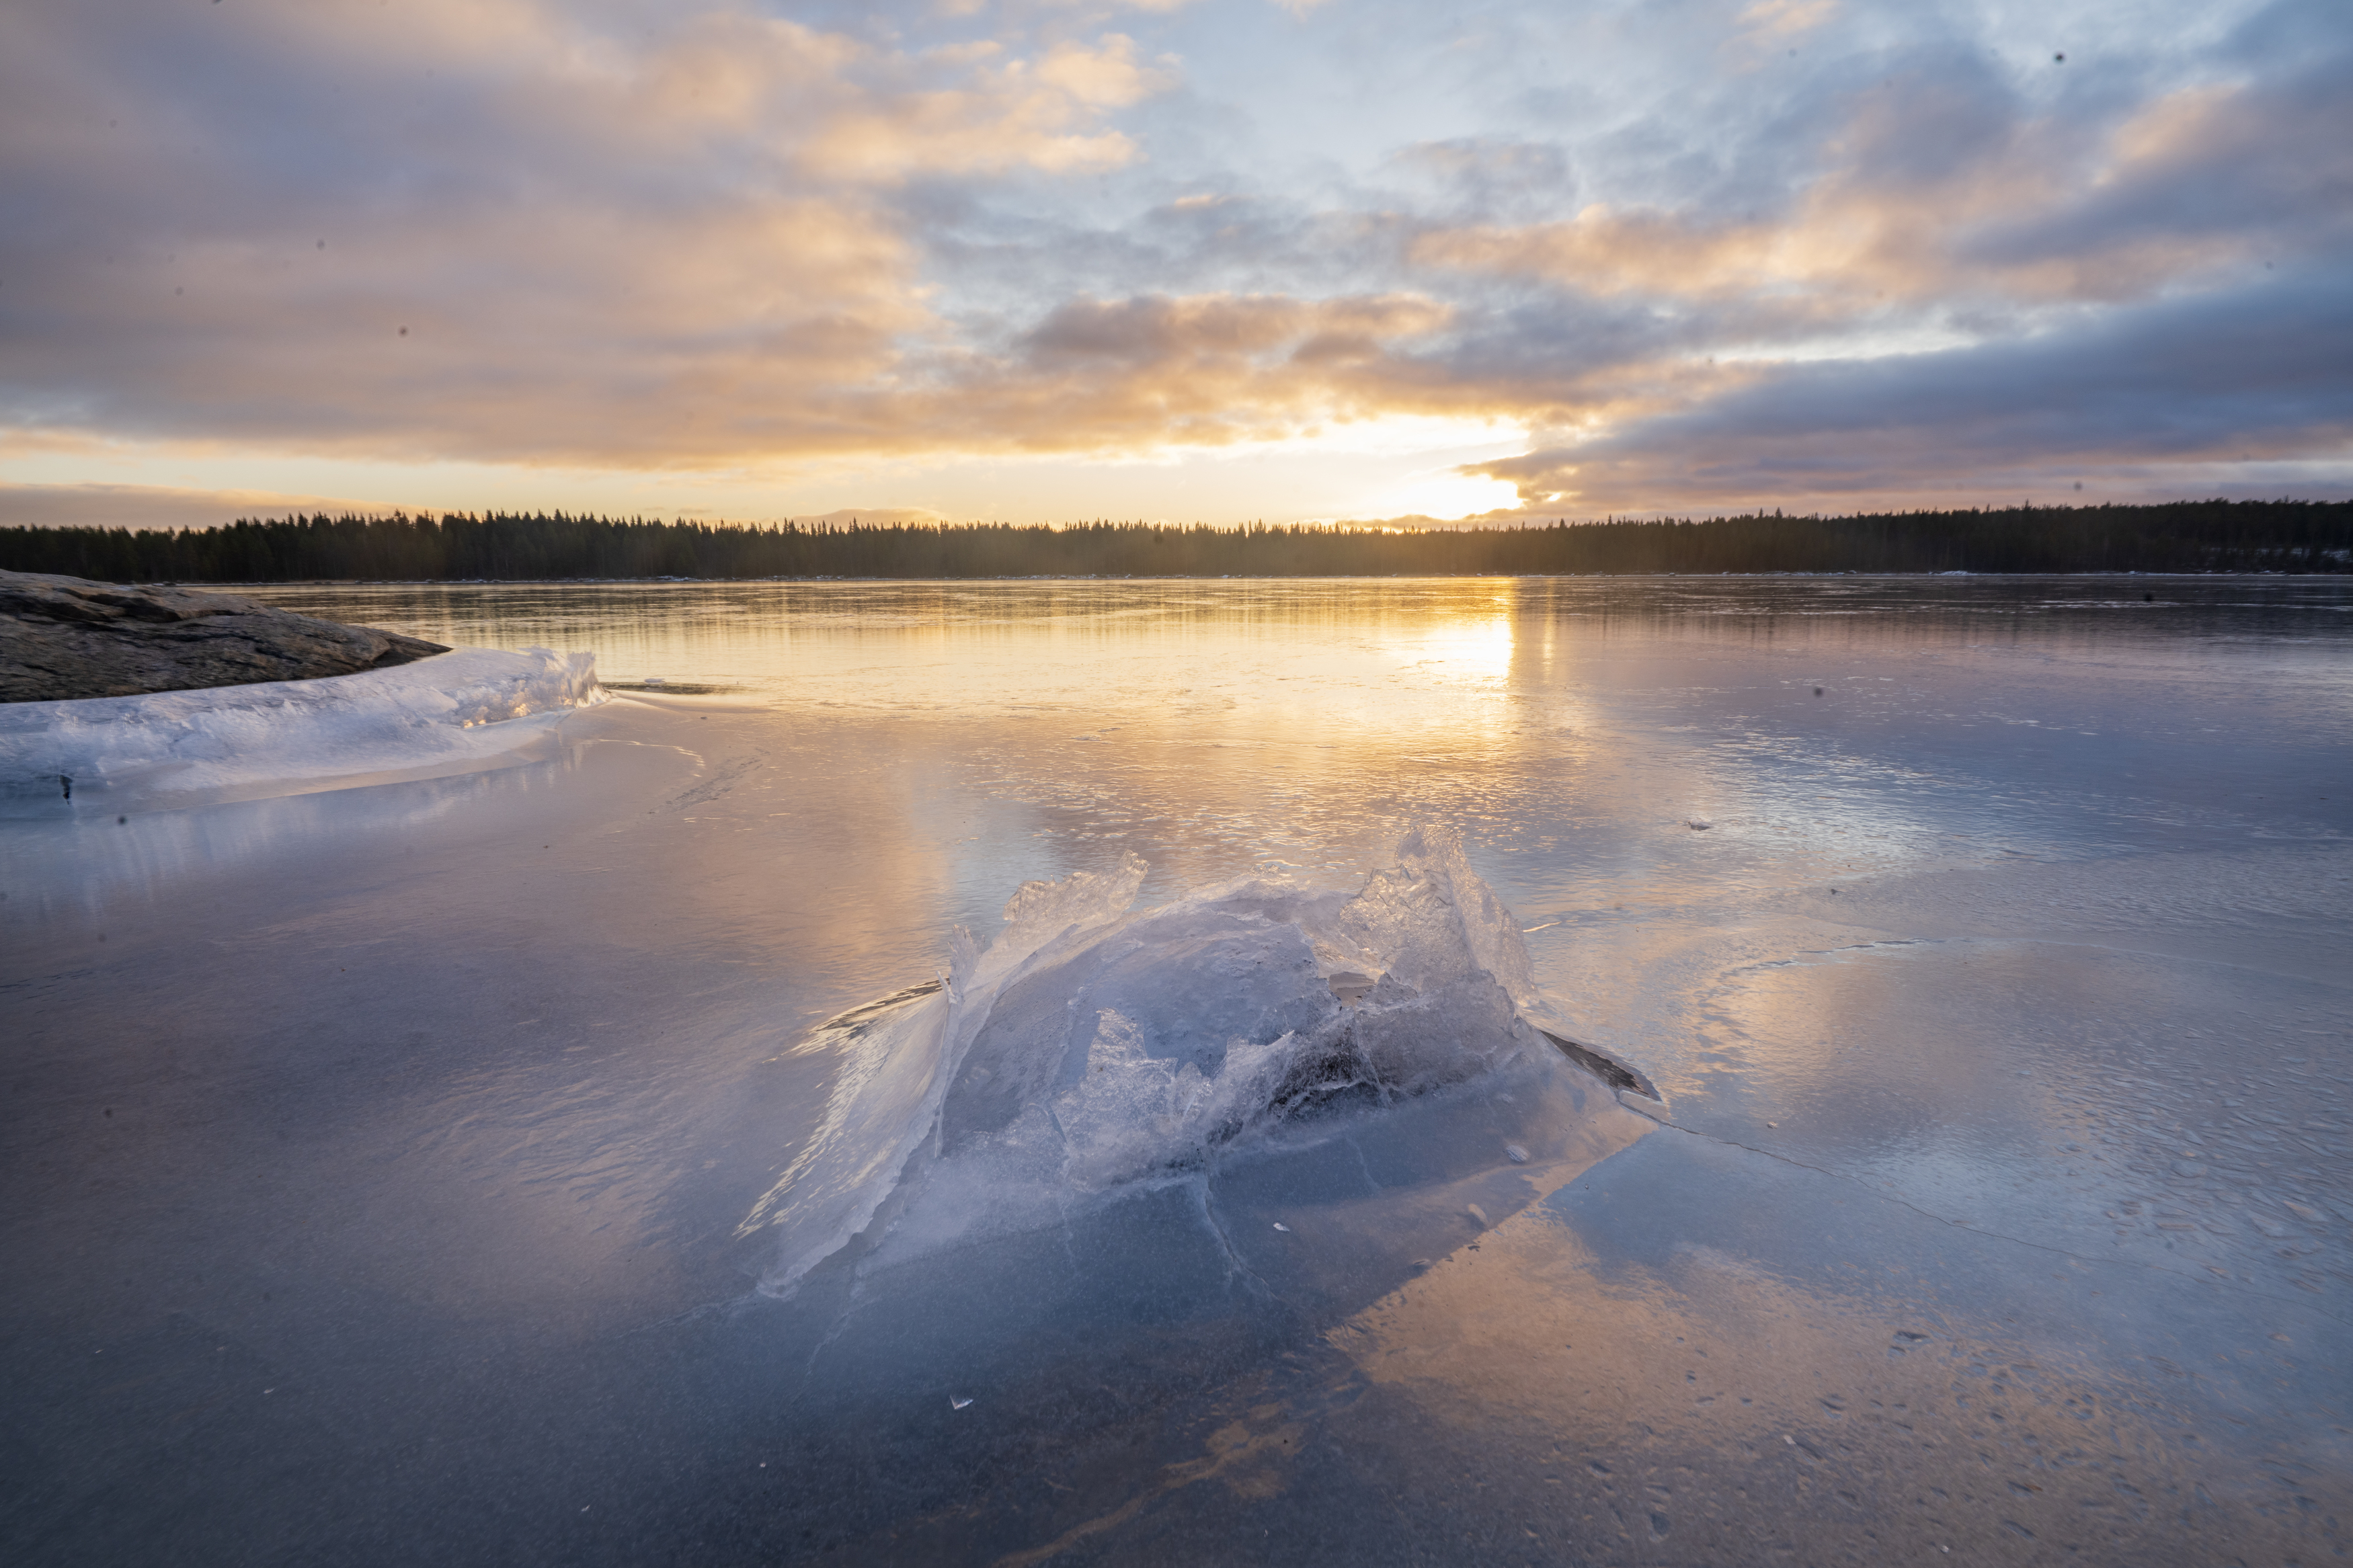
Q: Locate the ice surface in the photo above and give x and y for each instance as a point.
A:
(433, 1109)
(1088, 1048)
(444, 714)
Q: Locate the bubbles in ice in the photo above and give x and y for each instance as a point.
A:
(1088, 1047)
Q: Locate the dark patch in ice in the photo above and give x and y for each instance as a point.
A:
(1179, 988)
(859, 1019)
(1320, 1079)
(1615, 1074)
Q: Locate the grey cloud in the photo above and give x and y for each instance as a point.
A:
(1931, 116)
(2286, 32)
(1487, 179)
(2266, 373)
(2268, 162)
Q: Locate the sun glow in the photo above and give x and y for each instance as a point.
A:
(1447, 495)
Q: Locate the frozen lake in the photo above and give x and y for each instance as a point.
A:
(431, 1170)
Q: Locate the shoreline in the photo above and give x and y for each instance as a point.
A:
(1201, 577)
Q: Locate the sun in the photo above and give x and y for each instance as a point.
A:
(1449, 495)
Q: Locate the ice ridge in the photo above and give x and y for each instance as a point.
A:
(448, 712)
(1093, 1046)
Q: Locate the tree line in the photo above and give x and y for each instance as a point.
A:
(2177, 536)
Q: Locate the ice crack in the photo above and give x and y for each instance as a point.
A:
(1236, 1263)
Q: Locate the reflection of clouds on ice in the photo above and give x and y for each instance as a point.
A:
(445, 714)
(1089, 1049)
(2152, 1109)
(90, 864)
(1744, 1308)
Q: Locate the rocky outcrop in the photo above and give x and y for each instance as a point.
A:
(67, 637)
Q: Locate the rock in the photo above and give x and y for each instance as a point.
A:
(66, 637)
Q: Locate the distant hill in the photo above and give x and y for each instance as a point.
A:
(2176, 536)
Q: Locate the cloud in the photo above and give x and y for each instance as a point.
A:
(1938, 187)
(1007, 113)
(1207, 370)
(498, 235)
(2220, 386)
(648, 239)
(1785, 19)
(157, 506)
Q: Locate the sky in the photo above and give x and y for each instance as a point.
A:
(1187, 260)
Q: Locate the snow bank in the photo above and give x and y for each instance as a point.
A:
(449, 714)
(1089, 1049)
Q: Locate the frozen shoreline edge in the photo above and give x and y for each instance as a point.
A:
(451, 712)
